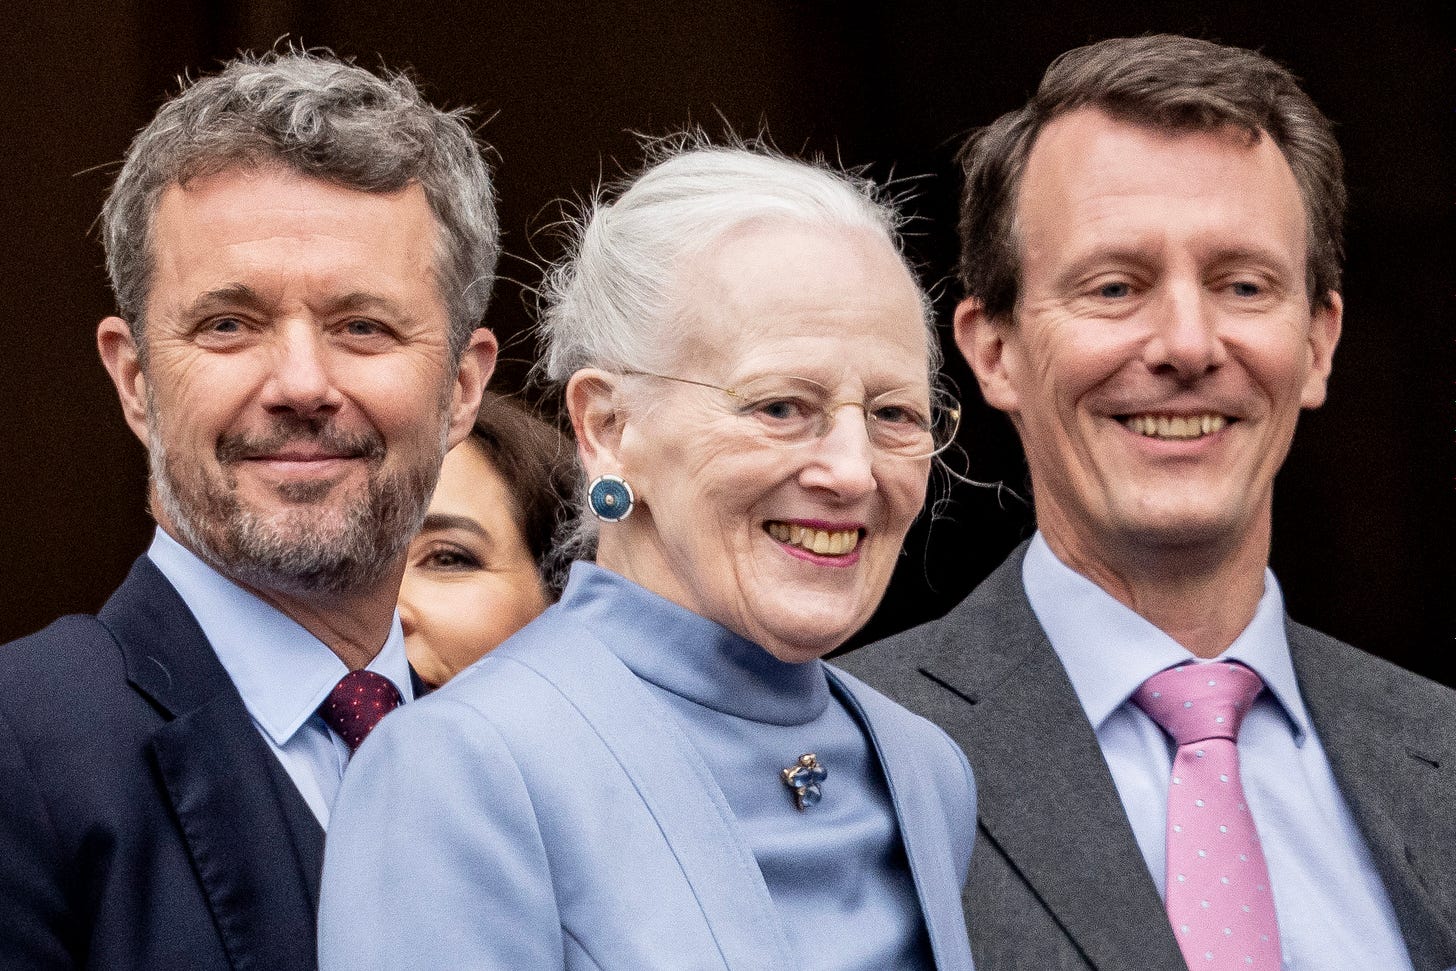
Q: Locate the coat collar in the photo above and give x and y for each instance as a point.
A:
(676, 786)
(924, 818)
(992, 652)
(695, 818)
(256, 847)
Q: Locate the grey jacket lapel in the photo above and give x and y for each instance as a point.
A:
(1018, 706)
(923, 818)
(666, 769)
(1391, 741)
(255, 846)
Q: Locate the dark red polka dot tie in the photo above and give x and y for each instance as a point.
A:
(357, 703)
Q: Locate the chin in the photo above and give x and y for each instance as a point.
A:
(807, 641)
(1182, 530)
(797, 652)
(799, 621)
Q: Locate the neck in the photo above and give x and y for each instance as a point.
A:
(354, 625)
(1200, 595)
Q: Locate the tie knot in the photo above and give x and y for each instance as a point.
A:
(357, 703)
(1199, 701)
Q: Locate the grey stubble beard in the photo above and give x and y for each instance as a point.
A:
(310, 548)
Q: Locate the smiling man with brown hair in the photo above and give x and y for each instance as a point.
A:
(1169, 769)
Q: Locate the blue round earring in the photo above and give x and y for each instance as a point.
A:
(610, 498)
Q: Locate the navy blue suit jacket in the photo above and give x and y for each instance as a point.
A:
(144, 823)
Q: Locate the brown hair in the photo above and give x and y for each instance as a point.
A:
(537, 464)
(1166, 82)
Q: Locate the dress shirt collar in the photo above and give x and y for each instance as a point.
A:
(691, 656)
(1109, 650)
(281, 670)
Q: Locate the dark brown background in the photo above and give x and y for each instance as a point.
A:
(1364, 520)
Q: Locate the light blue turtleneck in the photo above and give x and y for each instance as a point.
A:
(837, 871)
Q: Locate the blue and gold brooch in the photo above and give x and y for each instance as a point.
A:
(803, 780)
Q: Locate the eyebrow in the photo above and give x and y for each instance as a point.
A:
(359, 301)
(442, 521)
(237, 295)
(1234, 255)
(1111, 257)
(1140, 258)
(243, 297)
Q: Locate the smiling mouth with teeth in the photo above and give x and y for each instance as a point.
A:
(1180, 427)
(823, 542)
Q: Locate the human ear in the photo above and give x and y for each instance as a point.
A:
(122, 360)
(477, 363)
(1324, 333)
(594, 403)
(983, 343)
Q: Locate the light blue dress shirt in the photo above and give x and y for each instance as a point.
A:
(281, 670)
(1333, 911)
(837, 872)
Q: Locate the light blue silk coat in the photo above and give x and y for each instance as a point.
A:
(544, 810)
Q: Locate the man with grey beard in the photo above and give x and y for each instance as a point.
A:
(301, 253)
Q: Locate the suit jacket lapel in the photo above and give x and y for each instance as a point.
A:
(1398, 775)
(241, 846)
(667, 770)
(1020, 706)
(255, 846)
(921, 816)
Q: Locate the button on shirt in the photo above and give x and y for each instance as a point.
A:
(1334, 913)
(281, 670)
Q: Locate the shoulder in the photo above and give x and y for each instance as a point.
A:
(994, 619)
(1328, 667)
(516, 706)
(90, 655)
(68, 642)
(914, 736)
(45, 674)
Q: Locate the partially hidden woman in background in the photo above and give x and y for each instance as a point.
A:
(659, 772)
(480, 568)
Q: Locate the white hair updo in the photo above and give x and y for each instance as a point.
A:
(612, 301)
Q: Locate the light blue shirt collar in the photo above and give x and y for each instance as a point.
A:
(281, 670)
(1109, 650)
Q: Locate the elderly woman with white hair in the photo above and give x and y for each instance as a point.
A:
(660, 771)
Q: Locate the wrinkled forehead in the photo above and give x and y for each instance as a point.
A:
(801, 298)
(1093, 180)
(198, 175)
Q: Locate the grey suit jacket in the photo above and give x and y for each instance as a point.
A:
(1043, 896)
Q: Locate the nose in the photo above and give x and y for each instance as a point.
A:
(842, 460)
(1186, 341)
(300, 378)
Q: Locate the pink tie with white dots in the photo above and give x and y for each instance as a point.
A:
(358, 702)
(1218, 896)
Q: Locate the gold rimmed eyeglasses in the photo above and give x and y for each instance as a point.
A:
(782, 409)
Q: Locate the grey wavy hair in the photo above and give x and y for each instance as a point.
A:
(1164, 82)
(325, 118)
(612, 302)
